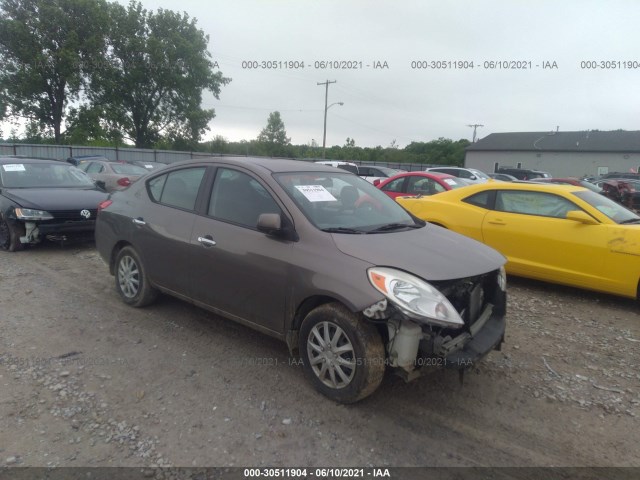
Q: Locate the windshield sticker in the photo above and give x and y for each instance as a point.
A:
(316, 193)
(148, 166)
(13, 167)
(449, 181)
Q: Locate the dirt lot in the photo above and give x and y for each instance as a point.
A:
(88, 381)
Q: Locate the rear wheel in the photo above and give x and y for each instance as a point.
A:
(9, 236)
(343, 355)
(131, 279)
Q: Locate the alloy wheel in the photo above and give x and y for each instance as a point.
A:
(128, 276)
(331, 355)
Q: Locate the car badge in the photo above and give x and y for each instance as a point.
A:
(85, 214)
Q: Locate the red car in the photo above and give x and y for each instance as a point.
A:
(411, 184)
(571, 181)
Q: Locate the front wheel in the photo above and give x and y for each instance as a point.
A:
(9, 236)
(343, 355)
(132, 282)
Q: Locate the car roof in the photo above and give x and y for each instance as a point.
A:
(528, 186)
(11, 160)
(429, 174)
(273, 165)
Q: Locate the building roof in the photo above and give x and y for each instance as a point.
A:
(557, 141)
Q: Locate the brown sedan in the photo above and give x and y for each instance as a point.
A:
(112, 175)
(285, 247)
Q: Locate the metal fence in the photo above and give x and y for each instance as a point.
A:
(62, 152)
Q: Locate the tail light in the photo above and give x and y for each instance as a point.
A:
(104, 204)
(124, 182)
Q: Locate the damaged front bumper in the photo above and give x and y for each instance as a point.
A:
(34, 232)
(415, 349)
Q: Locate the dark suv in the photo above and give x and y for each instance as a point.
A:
(621, 175)
(523, 173)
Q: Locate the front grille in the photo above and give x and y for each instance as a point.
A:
(469, 296)
(73, 215)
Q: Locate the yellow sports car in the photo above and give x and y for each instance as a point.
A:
(556, 233)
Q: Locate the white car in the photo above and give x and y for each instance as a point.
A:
(471, 175)
(371, 173)
(348, 166)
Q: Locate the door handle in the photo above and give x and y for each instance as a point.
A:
(139, 221)
(207, 241)
(497, 222)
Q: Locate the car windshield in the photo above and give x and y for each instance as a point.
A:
(42, 175)
(608, 207)
(479, 174)
(128, 169)
(590, 186)
(344, 203)
(455, 182)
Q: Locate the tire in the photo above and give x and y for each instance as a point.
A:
(9, 236)
(131, 279)
(352, 367)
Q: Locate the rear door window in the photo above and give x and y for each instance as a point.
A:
(395, 185)
(178, 188)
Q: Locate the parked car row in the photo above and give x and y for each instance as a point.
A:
(371, 173)
(326, 261)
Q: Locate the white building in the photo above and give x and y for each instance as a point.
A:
(562, 154)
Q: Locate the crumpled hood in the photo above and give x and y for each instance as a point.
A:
(56, 198)
(432, 253)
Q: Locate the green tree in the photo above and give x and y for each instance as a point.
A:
(46, 48)
(273, 138)
(151, 82)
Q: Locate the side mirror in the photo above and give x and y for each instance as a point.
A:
(581, 217)
(270, 223)
(376, 182)
(101, 185)
(473, 177)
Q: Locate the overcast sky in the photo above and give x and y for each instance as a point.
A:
(405, 103)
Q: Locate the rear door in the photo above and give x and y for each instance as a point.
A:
(165, 224)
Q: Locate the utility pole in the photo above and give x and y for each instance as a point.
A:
(326, 97)
(475, 126)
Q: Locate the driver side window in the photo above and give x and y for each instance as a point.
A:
(239, 198)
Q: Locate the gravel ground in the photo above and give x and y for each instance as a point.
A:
(88, 381)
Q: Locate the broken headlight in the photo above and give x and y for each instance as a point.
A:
(414, 297)
(31, 214)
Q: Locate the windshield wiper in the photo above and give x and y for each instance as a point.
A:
(393, 226)
(630, 220)
(342, 230)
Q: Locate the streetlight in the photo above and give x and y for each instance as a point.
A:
(324, 134)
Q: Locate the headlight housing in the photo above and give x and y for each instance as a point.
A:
(414, 297)
(502, 279)
(31, 214)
